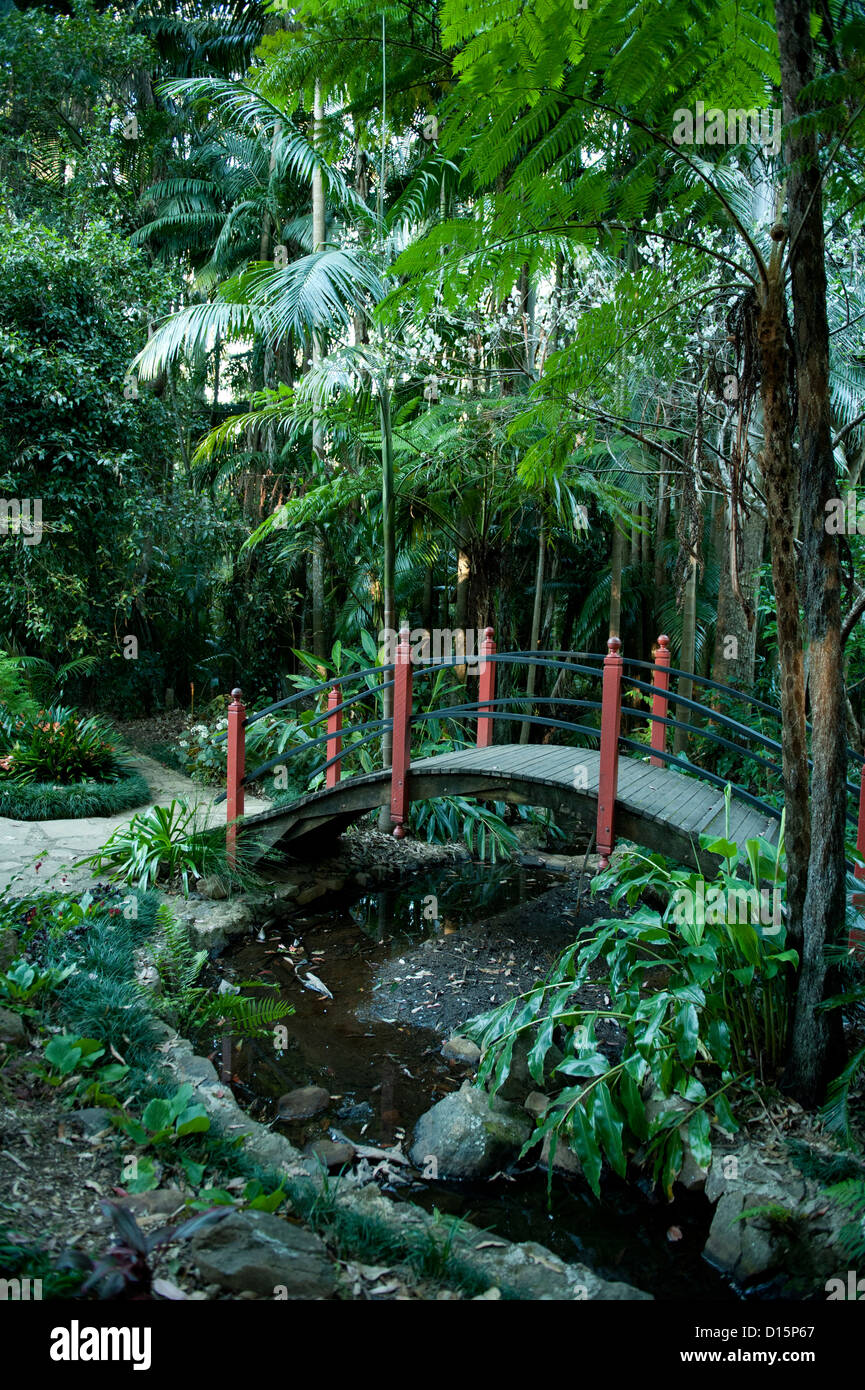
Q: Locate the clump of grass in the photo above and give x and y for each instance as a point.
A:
(49, 801)
(102, 998)
(170, 842)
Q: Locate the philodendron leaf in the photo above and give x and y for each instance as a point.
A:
(63, 1054)
(195, 1120)
(157, 1115)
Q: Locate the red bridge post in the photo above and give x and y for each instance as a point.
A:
(487, 691)
(236, 769)
(611, 719)
(856, 939)
(661, 684)
(334, 735)
(401, 756)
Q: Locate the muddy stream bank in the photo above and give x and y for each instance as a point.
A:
(407, 965)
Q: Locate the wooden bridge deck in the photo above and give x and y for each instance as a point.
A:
(656, 807)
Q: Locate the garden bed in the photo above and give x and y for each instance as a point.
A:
(54, 801)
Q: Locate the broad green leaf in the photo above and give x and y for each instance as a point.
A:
(635, 1110)
(592, 1064)
(686, 1028)
(64, 1054)
(582, 1141)
(195, 1120)
(699, 1138)
(608, 1124)
(725, 1115)
(157, 1115)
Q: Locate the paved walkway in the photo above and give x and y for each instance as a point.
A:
(55, 845)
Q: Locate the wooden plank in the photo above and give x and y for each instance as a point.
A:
(717, 807)
(666, 801)
(692, 815)
(634, 775)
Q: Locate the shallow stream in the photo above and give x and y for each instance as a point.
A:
(436, 949)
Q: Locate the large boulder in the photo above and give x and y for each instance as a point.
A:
(10, 948)
(793, 1234)
(12, 1028)
(468, 1135)
(255, 1252)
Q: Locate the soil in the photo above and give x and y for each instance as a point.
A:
(461, 971)
(53, 1178)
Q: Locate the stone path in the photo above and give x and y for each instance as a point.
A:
(55, 845)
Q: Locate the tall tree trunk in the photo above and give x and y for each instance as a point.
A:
(319, 635)
(779, 479)
(388, 566)
(525, 729)
(735, 642)
(817, 1041)
(461, 605)
(687, 655)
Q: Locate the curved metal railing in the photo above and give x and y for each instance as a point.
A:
(619, 676)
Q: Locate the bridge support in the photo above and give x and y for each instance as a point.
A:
(401, 756)
(334, 735)
(487, 692)
(611, 719)
(661, 683)
(234, 801)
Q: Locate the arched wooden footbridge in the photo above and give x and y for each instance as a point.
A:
(603, 773)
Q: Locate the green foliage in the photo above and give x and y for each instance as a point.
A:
(166, 1119)
(733, 923)
(482, 828)
(850, 1196)
(62, 746)
(33, 1262)
(195, 1006)
(168, 842)
(16, 697)
(47, 801)
(101, 997)
(23, 983)
(837, 1110)
(72, 1067)
(697, 1006)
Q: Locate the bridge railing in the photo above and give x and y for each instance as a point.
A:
(614, 673)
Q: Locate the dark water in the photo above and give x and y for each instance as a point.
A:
(383, 1075)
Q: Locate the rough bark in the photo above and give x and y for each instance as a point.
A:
(687, 655)
(816, 1042)
(319, 636)
(780, 483)
(734, 661)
